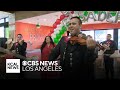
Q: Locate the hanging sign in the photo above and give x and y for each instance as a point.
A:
(96, 16)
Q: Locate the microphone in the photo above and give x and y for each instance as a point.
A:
(16, 44)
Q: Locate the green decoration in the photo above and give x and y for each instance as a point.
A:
(96, 12)
(56, 43)
(55, 40)
(67, 24)
(61, 32)
(7, 32)
(64, 28)
(113, 13)
(58, 35)
(85, 13)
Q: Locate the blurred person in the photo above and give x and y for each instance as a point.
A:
(19, 47)
(110, 47)
(91, 68)
(46, 48)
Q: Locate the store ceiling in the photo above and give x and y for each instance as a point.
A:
(46, 20)
(10, 11)
(4, 14)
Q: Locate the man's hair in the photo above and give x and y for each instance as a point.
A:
(109, 34)
(80, 21)
(19, 34)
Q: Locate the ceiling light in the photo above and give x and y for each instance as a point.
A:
(38, 25)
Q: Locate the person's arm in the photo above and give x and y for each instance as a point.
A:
(12, 48)
(92, 55)
(114, 46)
(56, 51)
(92, 52)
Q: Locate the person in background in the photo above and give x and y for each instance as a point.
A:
(110, 47)
(20, 47)
(91, 68)
(9, 43)
(46, 48)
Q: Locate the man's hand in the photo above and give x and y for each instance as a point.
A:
(91, 44)
(106, 47)
(13, 51)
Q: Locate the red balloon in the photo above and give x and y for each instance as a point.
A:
(54, 25)
(51, 31)
(62, 17)
(57, 21)
(72, 12)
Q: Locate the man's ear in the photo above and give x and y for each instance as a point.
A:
(80, 26)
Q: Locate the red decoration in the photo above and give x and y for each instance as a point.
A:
(54, 25)
(57, 21)
(72, 12)
(51, 31)
(62, 17)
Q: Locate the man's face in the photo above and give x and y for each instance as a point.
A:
(108, 37)
(74, 26)
(19, 37)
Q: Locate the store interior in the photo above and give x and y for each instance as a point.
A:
(38, 25)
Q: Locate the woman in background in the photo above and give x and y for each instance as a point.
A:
(46, 48)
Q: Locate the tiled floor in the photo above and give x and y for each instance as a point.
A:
(100, 71)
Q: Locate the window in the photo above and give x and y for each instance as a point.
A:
(2, 33)
(100, 35)
(7, 19)
(2, 20)
(91, 32)
(118, 38)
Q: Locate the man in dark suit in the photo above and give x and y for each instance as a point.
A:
(110, 47)
(74, 57)
(20, 47)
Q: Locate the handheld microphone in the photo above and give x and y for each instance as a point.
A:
(16, 44)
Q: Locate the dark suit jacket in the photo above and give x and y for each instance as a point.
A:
(82, 57)
(21, 48)
(60, 49)
(112, 46)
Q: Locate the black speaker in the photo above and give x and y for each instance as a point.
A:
(2, 42)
